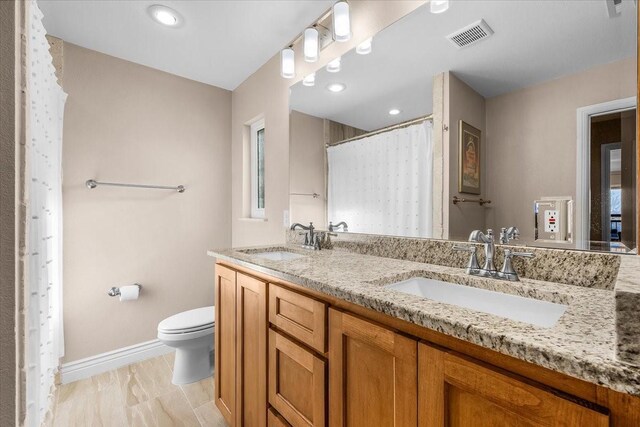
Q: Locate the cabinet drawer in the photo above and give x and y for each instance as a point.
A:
(274, 419)
(296, 382)
(298, 315)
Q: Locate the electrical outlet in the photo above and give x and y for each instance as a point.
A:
(285, 218)
(551, 221)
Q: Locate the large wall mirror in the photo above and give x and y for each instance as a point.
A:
(494, 114)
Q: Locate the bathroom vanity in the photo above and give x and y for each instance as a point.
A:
(327, 338)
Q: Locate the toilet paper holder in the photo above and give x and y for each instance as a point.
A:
(115, 291)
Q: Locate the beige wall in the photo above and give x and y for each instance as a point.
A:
(307, 160)
(266, 94)
(128, 123)
(535, 128)
(461, 102)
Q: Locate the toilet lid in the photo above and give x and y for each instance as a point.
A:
(197, 319)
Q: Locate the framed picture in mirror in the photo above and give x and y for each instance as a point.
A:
(469, 163)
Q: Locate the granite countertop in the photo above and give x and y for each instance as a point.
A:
(581, 344)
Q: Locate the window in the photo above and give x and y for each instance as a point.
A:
(257, 169)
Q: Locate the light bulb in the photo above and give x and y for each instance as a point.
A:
(287, 63)
(311, 44)
(309, 80)
(364, 48)
(334, 66)
(341, 22)
(394, 112)
(439, 6)
(165, 17)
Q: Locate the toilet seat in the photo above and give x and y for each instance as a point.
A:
(187, 322)
(186, 336)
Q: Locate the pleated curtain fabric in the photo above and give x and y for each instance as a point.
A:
(382, 184)
(44, 305)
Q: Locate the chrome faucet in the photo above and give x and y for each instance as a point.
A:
(342, 224)
(508, 234)
(313, 239)
(489, 268)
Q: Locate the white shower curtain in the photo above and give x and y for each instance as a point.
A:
(382, 184)
(44, 307)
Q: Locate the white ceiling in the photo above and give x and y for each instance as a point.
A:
(220, 43)
(534, 41)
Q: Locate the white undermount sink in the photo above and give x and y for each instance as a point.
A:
(277, 255)
(528, 310)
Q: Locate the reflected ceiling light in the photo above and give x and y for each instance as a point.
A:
(309, 80)
(287, 63)
(364, 48)
(311, 44)
(394, 112)
(164, 15)
(341, 21)
(336, 87)
(334, 66)
(439, 6)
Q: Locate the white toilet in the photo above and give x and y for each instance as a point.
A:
(191, 334)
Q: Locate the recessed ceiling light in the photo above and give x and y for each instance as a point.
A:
(336, 87)
(165, 15)
(394, 112)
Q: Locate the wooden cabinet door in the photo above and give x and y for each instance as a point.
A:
(251, 352)
(372, 374)
(456, 391)
(225, 342)
(296, 382)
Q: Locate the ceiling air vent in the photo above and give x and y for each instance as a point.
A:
(470, 34)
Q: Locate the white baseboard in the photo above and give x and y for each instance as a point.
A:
(94, 365)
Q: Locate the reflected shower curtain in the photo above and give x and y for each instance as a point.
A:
(44, 305)
(382, 184)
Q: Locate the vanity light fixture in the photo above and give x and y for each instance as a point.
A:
(334, 66)
(394, 112)
(311, 44)
(439, 6)
(164, 15)
(309, 80)
(287, 63)
(341, 21)
(336, 87)
(364, 48)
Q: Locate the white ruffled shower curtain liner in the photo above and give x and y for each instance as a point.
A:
(45, 343)
(382, 184)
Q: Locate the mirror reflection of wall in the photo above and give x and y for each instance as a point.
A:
(522, 87)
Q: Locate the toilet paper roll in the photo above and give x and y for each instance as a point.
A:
(129, 293)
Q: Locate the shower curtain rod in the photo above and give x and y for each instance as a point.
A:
(387, 129)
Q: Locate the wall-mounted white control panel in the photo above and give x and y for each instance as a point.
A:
(554, 219)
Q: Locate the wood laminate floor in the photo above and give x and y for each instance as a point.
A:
(136, 395)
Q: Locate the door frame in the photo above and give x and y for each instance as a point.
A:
(583, 159)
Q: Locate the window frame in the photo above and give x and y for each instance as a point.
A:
(256, 127)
